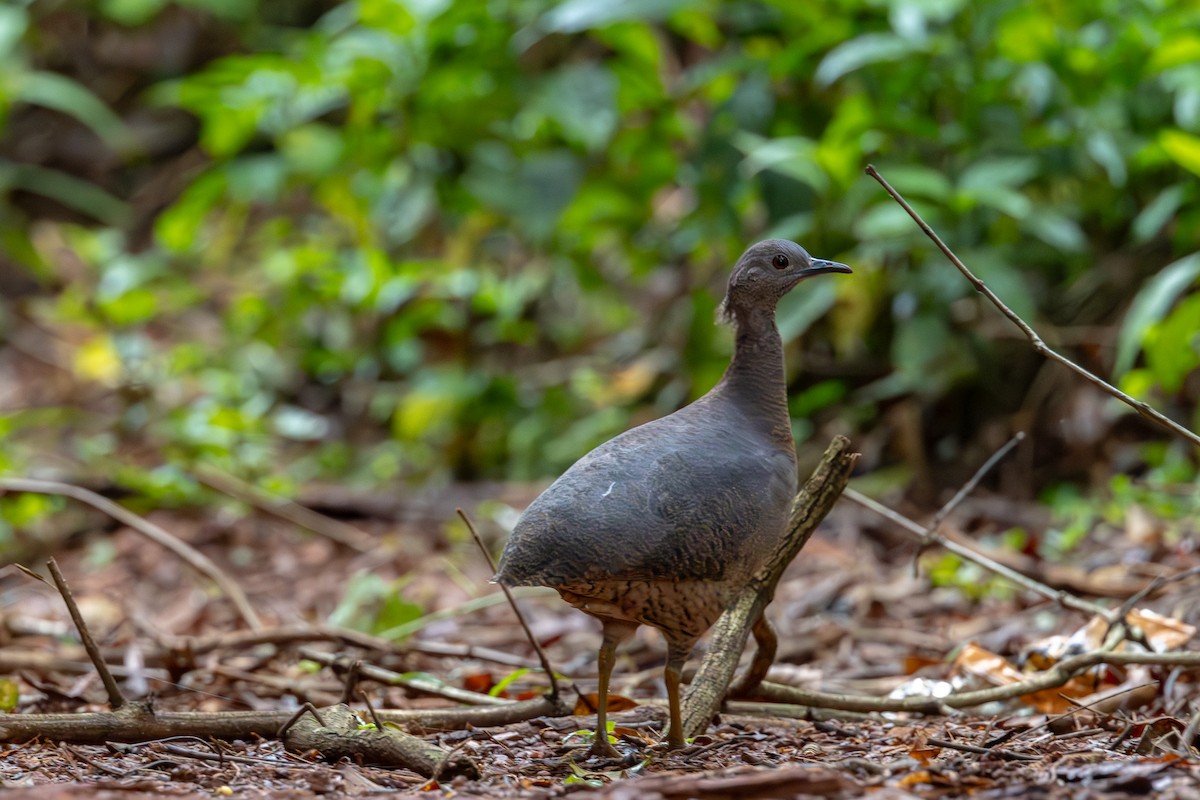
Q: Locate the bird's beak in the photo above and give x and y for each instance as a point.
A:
(820, 266)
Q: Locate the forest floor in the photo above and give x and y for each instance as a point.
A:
(857, 613)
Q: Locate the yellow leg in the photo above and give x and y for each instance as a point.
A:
(614, 634)
(672, 675)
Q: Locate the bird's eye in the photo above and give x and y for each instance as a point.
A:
(780, 261)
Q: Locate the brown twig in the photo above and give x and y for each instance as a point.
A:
(537, 647)
(1052, 678)
(927, 534)
(301, 690)
(350, 680)
(288, 510)
(307, 708)
(181, 652)
(135, 722)
(1006, 755)
(1143, 408)
(387, 676)
(191, 556)
(1189, 735)
(366, 699)
(115, 699)
(970, 485)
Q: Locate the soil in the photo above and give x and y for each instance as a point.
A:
(859, 612)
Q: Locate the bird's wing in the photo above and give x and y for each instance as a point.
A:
(681, 501)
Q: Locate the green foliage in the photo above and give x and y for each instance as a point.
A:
(10, 695)
(976, 583)
(1163, 323)
(441, 239)
(502, 685)
(22, 84)
(372, 604)
(1167, 493)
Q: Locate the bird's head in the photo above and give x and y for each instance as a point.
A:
(766, 272)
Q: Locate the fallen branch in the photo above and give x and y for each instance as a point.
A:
(190, 556)
(1052, 678)
(338, 732)
(1142, 407)
(927, 535)
(343, 735)
(139, 722)
(287, 510)
(712, 681)
(341, 663)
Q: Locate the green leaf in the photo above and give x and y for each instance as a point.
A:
(574, 16)
(312, 149)
(1001, 198)
(1171, 345)
(13, 23)
(10, 695)
(50, 90)
(886, 220)
(72, 192)
(132, 13)
(870, 48)
(793, 156)
(1151, 305)
(1178, 49)
(507, 681)
(1158, 212)
(1182, 147)
(1056, 230)
(1103, 149)
(799, 310)
(992, 172)
(582, 99)
(916, 180)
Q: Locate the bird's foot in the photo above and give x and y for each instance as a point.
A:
(669, 745)
(603, 748)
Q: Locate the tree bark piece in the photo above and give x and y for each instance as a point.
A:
(813, 502)
(138, 722)
(346, 735)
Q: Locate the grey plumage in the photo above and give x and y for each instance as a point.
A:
(663, 524)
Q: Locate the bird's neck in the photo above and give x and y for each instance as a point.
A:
(755, 377)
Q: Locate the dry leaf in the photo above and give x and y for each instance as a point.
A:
(1162, 633)
(588, 703)
(997, 670)
(480, 682)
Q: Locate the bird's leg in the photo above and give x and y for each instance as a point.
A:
(765, 645)
(615, 632)
(677, 654)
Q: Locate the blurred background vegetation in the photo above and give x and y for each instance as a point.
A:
(395, 242)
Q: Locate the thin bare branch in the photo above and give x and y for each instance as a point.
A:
(190, 555)
(286, 509)
(1143, 408)
(1052, 678)
(970, 485)
(927, 534)
(537, 647)
(115, 698)
(390, 678)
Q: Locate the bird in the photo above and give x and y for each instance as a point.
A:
(663, 524)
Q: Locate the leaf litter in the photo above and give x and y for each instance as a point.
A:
(853, 618)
